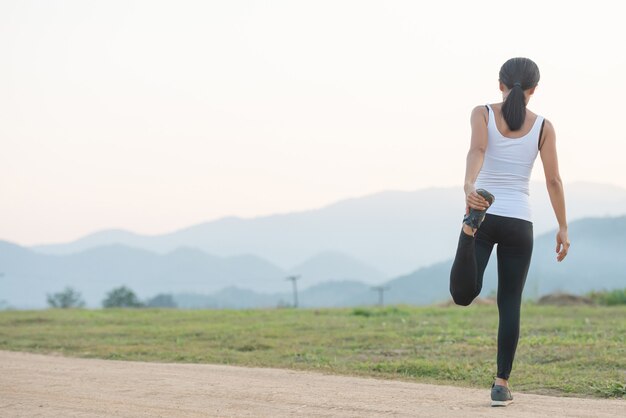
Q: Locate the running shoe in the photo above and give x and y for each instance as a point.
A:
(500, 395)
(476, 217)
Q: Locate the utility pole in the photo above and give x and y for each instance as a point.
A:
(381, 290)
(295, 290)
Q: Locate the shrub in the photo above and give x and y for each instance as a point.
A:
(162, 301)
(68, 298)
(121, 297)
(610, 298)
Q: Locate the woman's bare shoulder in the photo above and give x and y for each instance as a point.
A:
(480, 112)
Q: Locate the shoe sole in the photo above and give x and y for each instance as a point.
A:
(501, 403)
(487, 196)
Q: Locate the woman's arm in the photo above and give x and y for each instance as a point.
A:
(555, 188)
(475, 158)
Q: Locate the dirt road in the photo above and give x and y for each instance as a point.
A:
(49, 386)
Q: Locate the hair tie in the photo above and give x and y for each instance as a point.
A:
(517, 84)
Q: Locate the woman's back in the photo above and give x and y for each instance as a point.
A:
(508, 164)
(503, 128)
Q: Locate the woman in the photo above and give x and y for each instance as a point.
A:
(506, 139)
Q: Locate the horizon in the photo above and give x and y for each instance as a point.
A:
(151, 116)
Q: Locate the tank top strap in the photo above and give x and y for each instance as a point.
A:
(489, 111)
(490, 116)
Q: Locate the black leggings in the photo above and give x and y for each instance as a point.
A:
(515, 246)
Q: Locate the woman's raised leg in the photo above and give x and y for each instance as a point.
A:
(468, 268)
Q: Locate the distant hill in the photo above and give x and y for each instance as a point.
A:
(197, 279)
(328, 294)
(597, 258)
(596, 261)
(29, 276)
(393, 232)
(333, 265)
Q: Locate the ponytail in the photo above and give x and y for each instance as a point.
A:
(514, 108)
(518, 74)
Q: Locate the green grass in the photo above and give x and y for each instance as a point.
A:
(577, 351)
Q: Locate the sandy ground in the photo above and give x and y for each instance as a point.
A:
(50, 386)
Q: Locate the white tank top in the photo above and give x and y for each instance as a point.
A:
(506, 169)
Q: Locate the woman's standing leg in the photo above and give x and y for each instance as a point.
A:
(514, 255)
(472, 255)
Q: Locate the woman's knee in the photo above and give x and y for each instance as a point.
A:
(462, 298)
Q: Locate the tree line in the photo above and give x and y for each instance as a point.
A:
(120, 297)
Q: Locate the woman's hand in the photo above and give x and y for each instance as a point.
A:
(474, 200)
(562, 244)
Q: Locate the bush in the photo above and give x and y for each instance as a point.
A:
(121, 297)
(362, 312)
(68, 298)
(379, 311)
(162, 301)
(610, 298)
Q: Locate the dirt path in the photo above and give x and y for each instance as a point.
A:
(43, 386)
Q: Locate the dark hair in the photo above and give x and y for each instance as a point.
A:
(518, 74)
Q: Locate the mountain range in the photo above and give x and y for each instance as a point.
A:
(596, 261)
(28, 276)
(391, 232)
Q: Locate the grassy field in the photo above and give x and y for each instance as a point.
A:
(577, 351)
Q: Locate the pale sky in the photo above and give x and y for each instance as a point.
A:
(155, 115)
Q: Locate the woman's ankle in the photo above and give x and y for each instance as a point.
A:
(468, 230)
(502, 382)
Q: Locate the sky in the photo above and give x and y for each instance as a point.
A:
(155, 115)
